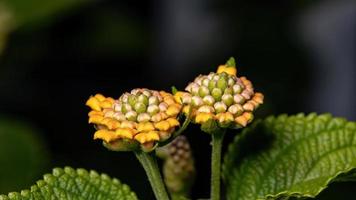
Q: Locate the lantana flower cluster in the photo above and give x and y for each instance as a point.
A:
(141, 117)
(222, 97)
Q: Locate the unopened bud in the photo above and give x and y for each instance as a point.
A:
(205, 82)
(203, 91)
(228, 99)
(222, 83)
(209, 100)
(197, 101)
(236, 109)
(125, 108)
(153, 100)
(211, 85)
(237, 88)
(152, 109)
(239, 99)
(216, 93)
(206, 109)
(163, 106)
(131, 115)
(143, 99)
(220, 107)
(143, 117)
(132, 99)
(140, 107)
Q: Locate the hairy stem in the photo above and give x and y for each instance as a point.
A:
(149, 163)
(217, 140)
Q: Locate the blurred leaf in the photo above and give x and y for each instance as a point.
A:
(290, 156)
(23, 156)
(17, 13)
(31, 11)
(78, 184)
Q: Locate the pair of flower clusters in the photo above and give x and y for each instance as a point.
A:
(146, 118)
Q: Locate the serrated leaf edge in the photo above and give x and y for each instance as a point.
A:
(57, 172)
(284, 193)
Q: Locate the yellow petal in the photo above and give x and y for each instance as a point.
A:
(106, 135)
(173, 122)
(164, 94)
(163, 125)
(94, 112)
(100, 97)
(145, 126)
(249, 106)
(95, 119)
(147, 136)
(110, 123)
(241, 120)
(226, 69)
(173, 110)
(225, 117)
(128, 124)
(93, 103)
(203, 117)
(258, 98)
(248, 116)
(178, 96)
(105, 104)
(125, 132)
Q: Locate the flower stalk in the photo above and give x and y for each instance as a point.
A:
(217, 142)
(149, 163)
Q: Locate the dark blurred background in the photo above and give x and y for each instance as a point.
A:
(55, 54)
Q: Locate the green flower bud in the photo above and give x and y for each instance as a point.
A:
(197, 101)
(131, 115)
(216, 93)
(211, 85)
(236, 109)
(237, 88)
(143, 99)
(143, 117)
(153, 100)
(228, 99)
(140, 107)
(220, 107)
(132, 99)
(239, 99)
(152, 109)
(222, 83)
(229, 91)
(209, 100)
(216, 77)
(125, 108)
(203, 91)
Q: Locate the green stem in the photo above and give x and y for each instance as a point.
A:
(217, 140)
(149, 163)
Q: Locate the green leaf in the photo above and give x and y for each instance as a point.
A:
(290, 156)
(231, 62)
(23, 155)
(77, 184)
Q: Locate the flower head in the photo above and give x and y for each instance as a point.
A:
(141, 117)
(221, 97)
